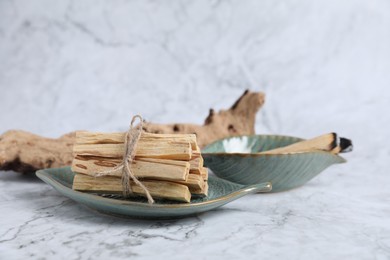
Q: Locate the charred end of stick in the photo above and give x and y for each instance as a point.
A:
(345, 145)
(335, 141)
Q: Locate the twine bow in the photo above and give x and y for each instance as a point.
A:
(131, 140)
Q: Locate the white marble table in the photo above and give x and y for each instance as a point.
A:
(325, 66)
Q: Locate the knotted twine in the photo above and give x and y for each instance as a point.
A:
(131, 140)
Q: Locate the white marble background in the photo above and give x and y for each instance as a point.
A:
(324, 65)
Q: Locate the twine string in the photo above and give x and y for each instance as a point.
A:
(132, 137)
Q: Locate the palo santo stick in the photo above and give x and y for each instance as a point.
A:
(196, 154)
(84, 137)
(191, 138)
(162, 150)
(168, 170)
(202, 191)
(204, 172)
(194, 182)
(196, 164)
(166, 161)
(108, 184)
(325, 142)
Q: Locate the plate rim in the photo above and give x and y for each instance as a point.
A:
(246, 189)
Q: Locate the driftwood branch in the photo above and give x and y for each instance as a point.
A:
(24, 152)
(238, 120)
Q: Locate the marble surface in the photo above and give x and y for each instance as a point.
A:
(324, 65)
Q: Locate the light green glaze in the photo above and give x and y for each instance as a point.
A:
(220, 193)
(284, 171)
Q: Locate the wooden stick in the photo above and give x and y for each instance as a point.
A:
(166, 161)
(196, 154)
(202, 191)
(162, 150)
(188, 138)
(196, 164)
(157, 169)
(108, 184)
(204, 172)
(194, 182)
(326, 142)
(85, 137)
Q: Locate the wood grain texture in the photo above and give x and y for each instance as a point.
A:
(169, 170)
(108, 184)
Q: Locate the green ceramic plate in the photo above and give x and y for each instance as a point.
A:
(235, 159)
(220, 193)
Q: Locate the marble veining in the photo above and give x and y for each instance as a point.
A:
(324, 66)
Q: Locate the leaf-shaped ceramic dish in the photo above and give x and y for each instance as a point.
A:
(236, 159)
(220, 193)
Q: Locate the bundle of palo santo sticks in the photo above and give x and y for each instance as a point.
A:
(170, 166)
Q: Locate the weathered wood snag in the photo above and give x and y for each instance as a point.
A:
(238, 120)
(24, 152)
